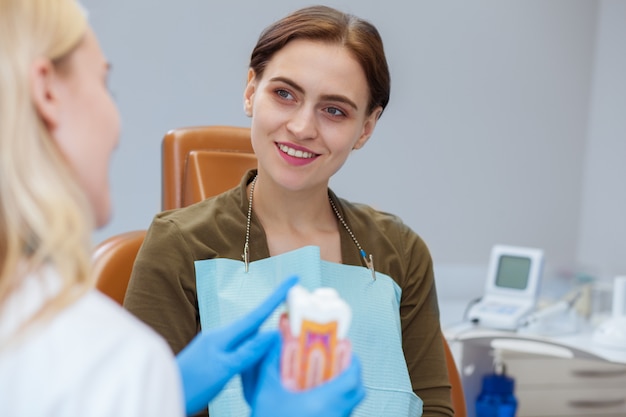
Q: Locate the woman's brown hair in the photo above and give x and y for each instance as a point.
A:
(325, 24)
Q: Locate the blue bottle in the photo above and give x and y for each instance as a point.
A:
(496, 398)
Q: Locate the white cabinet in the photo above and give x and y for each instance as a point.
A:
(565, 376)
(547, 386)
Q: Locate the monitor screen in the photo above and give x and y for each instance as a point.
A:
(513, 272)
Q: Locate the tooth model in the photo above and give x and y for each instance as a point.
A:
(314, 329)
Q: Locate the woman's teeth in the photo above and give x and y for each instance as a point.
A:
(295, 153)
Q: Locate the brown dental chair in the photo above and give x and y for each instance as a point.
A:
(197, 162)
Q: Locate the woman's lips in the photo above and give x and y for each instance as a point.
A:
(295, 156)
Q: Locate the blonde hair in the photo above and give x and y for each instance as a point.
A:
(45, 218)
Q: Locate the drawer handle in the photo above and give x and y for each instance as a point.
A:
(596, 403)
(594, 373)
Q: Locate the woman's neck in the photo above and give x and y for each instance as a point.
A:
(292, 220)
(300, 211)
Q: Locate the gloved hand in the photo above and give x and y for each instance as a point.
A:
(212, 358)
(267, 397)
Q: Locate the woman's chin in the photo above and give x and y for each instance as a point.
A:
(102, 215)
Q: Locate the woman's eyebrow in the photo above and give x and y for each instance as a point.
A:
(341, 99)
(327, 97)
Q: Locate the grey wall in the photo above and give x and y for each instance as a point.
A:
(602, 238)
(501, 115)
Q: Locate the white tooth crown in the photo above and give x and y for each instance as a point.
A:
(296, 153)
(323, 305)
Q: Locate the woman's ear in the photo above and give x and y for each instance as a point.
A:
(248, 94)
(368, 128)
(44, 91)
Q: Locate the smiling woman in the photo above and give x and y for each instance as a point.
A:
(311, 100)
(318, 82)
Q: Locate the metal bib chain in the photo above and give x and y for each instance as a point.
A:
(369, 261)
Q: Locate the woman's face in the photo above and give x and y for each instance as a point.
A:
(309, 110)
(86, 126)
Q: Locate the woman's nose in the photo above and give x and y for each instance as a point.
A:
(302, 123)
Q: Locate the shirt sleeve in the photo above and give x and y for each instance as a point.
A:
(421, 329)
(162, 288)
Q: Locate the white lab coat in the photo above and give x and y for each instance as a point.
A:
(92, 359)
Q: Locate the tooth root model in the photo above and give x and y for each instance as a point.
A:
(314, 329)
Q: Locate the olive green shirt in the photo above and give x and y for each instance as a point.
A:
(162, 289)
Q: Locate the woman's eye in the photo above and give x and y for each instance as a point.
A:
(284, 94)
(334, 111)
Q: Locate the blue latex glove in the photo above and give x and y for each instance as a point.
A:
(267, 396)
(214, 357)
